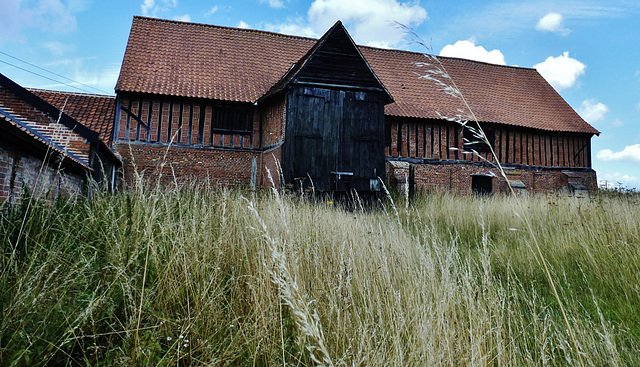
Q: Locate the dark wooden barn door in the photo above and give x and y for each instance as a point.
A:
(334, 139)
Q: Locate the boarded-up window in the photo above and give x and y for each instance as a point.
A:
(232, 119)
(473, 139)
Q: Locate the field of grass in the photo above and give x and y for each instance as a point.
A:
(237, 278)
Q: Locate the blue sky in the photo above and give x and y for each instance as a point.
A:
(588, 50)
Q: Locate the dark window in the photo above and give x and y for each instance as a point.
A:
(481, 185)
(473, 140)
(232, 119)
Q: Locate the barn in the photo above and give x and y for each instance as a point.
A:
(45, 151)
(205, 102)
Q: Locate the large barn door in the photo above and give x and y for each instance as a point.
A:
(335, 140)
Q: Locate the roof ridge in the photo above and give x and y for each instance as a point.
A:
(443, 57)
(70, 93)
(160, 20)
(253, 30)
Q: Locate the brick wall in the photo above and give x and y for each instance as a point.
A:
(6, 173)
(457, 178)
(20, 171)
(71, 141)
(177, 164)
(271, 161)
(273, 117)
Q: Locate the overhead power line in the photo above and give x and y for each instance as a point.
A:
(50, 72)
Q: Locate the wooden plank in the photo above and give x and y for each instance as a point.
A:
(147, 114)
(456, 144)
(138, 125)
(129, 127)
(170, 122)
(188, 124)
(160, 116)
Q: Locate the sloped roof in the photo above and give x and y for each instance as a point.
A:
(92, 110)
(206, 61)
(19, 109)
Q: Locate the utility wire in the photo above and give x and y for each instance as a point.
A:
(51, 72)
(42, 76)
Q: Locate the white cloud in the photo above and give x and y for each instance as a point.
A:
(152, 7)
(243, 24)
(183, 18)
(617, 180)
(58, 48)
(274, 3)
(591, 110)
(212, 10)
(630, 153)
(370, 22)
(295, 28)
(468, 50)
(147, 6)
(552, 22)
(562, 71)
(55, 16)
(638, 106)
(103, 79)
(86, 73)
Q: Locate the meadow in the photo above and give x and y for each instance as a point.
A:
(240, 278)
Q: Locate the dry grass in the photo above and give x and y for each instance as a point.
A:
(241, 278)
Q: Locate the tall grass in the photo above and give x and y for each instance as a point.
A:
(195, 277)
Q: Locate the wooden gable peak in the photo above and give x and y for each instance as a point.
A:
(335, 62)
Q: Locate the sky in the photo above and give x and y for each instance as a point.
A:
(587, 50)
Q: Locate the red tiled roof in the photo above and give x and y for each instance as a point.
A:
(41, 139)
(92, 110)
(27, 119)
(206, 61)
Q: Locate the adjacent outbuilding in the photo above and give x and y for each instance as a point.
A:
(46, 152)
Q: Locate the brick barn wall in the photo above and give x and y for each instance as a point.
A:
(177, 164)
(273, 117)
(175, 140)
(70, 140)
(183, 165)
(457, 178)
(19, 171)
(271, 160)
